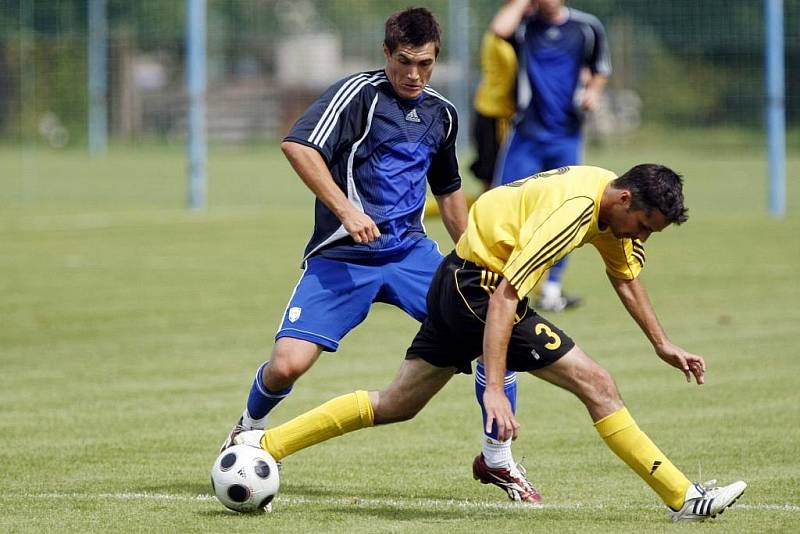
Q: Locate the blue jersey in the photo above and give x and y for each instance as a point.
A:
(552, 56)
(381, 149)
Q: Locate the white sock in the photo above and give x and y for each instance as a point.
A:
(253, 424)
(497, 453)
(551, 290)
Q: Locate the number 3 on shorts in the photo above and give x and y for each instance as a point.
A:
(555, 342)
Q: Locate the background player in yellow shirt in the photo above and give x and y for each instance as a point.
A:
(477, 307)
(494, 103)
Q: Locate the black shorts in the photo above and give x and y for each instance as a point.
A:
(452, 334)
(487, 146)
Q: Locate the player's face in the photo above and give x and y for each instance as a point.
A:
(409, 68)
(636, 223)
(550, 9)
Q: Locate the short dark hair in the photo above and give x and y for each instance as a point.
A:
(655, 186)
(415, 26)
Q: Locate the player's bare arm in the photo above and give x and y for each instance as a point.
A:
(634, 297)
(309, 165)
(499, 323)
(507, 19)
(453, 210)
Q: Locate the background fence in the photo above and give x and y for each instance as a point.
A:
(678, 64)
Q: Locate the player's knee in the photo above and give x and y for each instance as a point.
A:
(282, 372)
(290, 359)
(277, 375)
(394, 407)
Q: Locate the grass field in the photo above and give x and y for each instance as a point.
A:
(130, 330)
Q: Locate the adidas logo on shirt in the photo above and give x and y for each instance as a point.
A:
(412, 116)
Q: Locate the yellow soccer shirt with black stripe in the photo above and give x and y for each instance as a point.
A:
(495, 96)
(521, 229)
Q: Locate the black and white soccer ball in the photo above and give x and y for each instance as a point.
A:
(245, 478)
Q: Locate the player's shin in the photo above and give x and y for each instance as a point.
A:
(496, 453)
(261, 401)
(623, 436)
(336, 417)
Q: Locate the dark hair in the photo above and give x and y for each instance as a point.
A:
(415, 26)
(655, 186)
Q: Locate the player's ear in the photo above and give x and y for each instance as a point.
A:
(386, 52)
(625, 198)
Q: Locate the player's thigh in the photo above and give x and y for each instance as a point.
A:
(562, 152)
(415, 384)
(579, 374)
(331, 298)
(406, 282)
(520, 159)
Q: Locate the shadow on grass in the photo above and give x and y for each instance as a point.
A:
(359, 511)
(407, 513)
(224, 512)
(400, 507)
(368, 494)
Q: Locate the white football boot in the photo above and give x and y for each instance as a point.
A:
(237, 428)
(241, 435)
(706, 501)
(248, 437)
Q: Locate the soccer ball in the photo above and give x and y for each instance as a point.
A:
(245, 478)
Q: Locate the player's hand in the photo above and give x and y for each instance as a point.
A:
(360, 227)
(590, 100)
(498, 411)
(690, 364)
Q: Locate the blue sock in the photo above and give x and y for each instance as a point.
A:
(262, 400)
(556, 272)
(510, 389)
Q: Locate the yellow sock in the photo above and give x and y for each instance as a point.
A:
(336, 417)
(623, 436)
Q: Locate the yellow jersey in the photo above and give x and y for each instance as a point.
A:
(521, 229)
(496, 96)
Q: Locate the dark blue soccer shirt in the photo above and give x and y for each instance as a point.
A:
(552, 56)
(381, 149)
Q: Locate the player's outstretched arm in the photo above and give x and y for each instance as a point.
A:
(634, 297)
(453, 209)
(311, 168)
(499, 323)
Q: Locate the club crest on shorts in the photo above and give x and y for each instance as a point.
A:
(294, 313)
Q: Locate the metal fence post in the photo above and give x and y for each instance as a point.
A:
(98, 77)
(196, 89)
(775, 112)
(458, 31)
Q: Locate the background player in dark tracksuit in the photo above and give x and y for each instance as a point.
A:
(366, 149)
(564, 65)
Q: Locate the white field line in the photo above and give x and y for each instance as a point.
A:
(430, 504)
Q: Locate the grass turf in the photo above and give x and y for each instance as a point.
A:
(131, 329)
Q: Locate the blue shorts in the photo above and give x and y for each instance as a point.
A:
(333, 296)
(523, 156)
